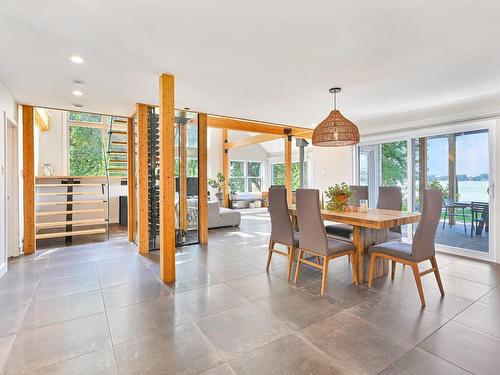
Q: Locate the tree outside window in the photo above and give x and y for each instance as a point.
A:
(86, 156)
(278, 174)
(246, 176)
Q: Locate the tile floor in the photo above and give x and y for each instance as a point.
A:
(100, 309)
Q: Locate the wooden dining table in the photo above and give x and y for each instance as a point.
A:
(369, 228)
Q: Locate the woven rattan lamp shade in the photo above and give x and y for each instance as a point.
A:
(334, 131)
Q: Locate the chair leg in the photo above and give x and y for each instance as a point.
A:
(444, 219)
(393, 269)
(269, 255)
(416, 274)
(297, 268)
(355, 276)
(371, 273)
(291, 255)
(324, 277)
(438, 276)
(463, 218)
(318, 260)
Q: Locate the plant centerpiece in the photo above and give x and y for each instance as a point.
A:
(219, 185)
(338, 197)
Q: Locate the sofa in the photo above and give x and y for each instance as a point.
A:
(219, 217)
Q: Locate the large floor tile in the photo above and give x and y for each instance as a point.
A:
(298, 310)
(96, 363)
(234, 270)
(289, 355)
(418, 361)
(200, 303)
(409, 323)
(55, 310)
(355, 344)
(68, 271)
(117, 276)
(458, 286)
(181, 350)
(11, 319)
(134, 292)
(260, 286)
(481, 316)
(5, 347)
(143, 319)
(219, 370)
(480, 272)
(59, 342)
(473, 350)
(60, 288)
(16, 296)
(191, 277)
(242, 330)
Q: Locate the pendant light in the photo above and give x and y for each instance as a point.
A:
(335, 130)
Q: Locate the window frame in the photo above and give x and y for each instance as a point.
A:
(246, 177)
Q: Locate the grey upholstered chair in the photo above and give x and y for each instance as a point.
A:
(281, 227)
(391, 198)
(422, 249)
(344, 231)
(313, 238)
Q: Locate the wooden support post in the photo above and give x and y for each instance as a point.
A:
(202, 180)
(225, 167)
(167, 179)
(288, 168)
(422, 165)
(452, 173)
(29, 242)
(130, 178)
(142, 179)
(183, 176)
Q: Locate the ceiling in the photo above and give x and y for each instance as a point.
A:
(264, 60)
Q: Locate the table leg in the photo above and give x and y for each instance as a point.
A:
(363, 238)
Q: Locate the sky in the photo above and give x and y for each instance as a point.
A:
(472, 155)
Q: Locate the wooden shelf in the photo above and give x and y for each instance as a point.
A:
(71, 212)
(71, 193)
(56, 224)
(69, 234)
(117, 143)
(117, 169)
(118, 132)
(64, 203)
(64, 185)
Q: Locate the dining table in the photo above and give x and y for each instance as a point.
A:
(369, 228)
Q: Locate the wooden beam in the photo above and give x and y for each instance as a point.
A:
(288, 168)
(256, 139)
(29, 242)
(42, 119)
(225, 167)
(183, 176)
(130, 179)
(167, 179)
(142, 179)
(253, 126)
(202, 180)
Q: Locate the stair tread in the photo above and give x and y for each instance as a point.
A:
(72, 212)
(64, 185)
(69, 234)
(117, 132)
(63, 203)
(69, 193)
(56, 224)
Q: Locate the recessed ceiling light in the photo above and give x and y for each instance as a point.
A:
(77, 93)
(78, 83)
(77, 59)
(77, 105)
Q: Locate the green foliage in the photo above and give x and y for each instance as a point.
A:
(217, 183)
(338, 197)
(237, 169)
(434, 184)
(279, 174)
(394, 163)
(85, 151)
(85, 117)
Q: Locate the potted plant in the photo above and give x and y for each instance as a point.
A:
(338, 197)
(219, 185)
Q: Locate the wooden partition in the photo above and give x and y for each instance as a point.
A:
(288, 168)
(130, 179)
(225, 166)
(167, 179)
(202, 180)
(142, 179)
(29, 242)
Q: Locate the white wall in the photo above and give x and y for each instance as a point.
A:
(331, 165)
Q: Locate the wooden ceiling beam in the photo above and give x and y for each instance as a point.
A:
(229, 123)
(256, 139)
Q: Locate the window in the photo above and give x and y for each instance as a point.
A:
(278, 174)
(246, 176)
(85, 117)
(86, 156)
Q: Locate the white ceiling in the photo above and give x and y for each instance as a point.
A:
(261, 59)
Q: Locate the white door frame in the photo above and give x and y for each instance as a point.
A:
(443, 130)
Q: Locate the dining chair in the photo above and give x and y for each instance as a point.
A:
(391, 198)
(344, 231)
(480, 215)
(451, 211)
(282, 231)
(314, 240)
(422, 248)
